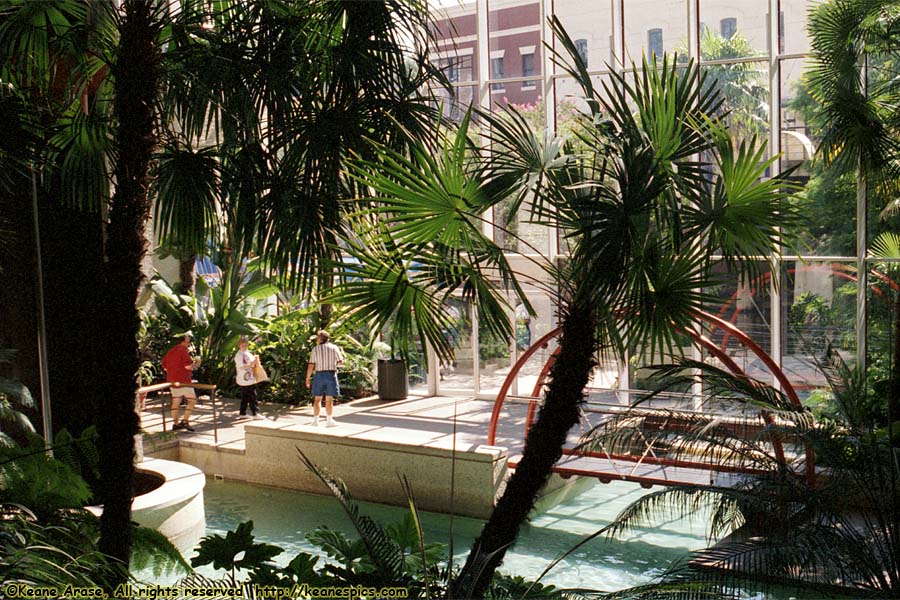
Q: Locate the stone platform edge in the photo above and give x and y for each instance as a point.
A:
(369, 468)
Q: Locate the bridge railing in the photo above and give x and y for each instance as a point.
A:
(144, 392)
(665, 417)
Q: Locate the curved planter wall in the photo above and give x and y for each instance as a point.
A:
(174, 508)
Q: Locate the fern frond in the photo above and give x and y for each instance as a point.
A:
(150, 548)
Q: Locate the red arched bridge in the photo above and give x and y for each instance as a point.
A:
(648, 465)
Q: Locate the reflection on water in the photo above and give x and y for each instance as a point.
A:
(283, 517)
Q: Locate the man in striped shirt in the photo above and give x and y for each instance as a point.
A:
(324, 359)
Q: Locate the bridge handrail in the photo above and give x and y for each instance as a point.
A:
(642, 410)
(143, 391)
(546, 339)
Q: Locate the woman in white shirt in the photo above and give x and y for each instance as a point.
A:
(245, 365)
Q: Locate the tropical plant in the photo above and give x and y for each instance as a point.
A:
(284, 343)
(259, 166)
(643, 216)
(382, 556)
(292, 88)
(38, 555)
(48, 538)
(741, 84)
(216, 315)
(832, 530)
(853, 104)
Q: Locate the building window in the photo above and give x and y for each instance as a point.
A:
(581, 47)
(453, 71)
(654, 43)
(457, 69)
(528, 69)
(728, 27)
(497, 73)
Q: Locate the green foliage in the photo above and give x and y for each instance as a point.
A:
(859, 128)
(39, 554)
(490, 346)
(510, 587)
(422, 244)
(79, 454)
(422, 570)
(153, 550)
(357, 376)
(284, 343)
(31, 477)
(216, 316)
(236, 550)
(835, 531)
(817, 322)
(742, 85)
(63, 551)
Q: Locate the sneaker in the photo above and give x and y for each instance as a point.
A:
(258, 417)
(330, 423)
(315, 422)
(177, 426)
(186, 426)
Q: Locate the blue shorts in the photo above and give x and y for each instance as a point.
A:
(325, 383)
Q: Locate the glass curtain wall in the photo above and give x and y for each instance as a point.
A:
(495, 54)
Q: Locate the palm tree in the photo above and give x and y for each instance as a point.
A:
(137, 72)
(288, 89)
(51, 70)
(852, 43)
(741, 84)
(45, 42)
(643, 214)
(272, 98)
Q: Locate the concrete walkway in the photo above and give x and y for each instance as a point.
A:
(438, 443)
(419, 420)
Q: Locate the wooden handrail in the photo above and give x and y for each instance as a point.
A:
(159, 387)
(156, 387)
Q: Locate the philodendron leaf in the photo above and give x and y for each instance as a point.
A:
(236, 550)
(303, 567)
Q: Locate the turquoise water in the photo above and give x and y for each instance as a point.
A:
(283, 517)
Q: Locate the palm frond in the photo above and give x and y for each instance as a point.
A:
(745, 213)
(187, 193)
(397, 293)
(855, 135)
(80, 146)
(886, 245)
(385, 554)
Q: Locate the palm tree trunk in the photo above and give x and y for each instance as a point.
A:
(136, 73)
(187, 274)
(543, 448)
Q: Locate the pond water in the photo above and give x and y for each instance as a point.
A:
(284, 517)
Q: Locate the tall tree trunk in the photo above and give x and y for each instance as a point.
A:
(136, 71)
(18, 317)
(543, 448)
(72, 243)
(893, 405)
(187, 274)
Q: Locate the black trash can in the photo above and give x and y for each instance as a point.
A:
(393, 383)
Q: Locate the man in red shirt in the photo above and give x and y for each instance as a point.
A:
(179, 367)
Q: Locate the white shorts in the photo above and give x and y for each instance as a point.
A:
(185, 391)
